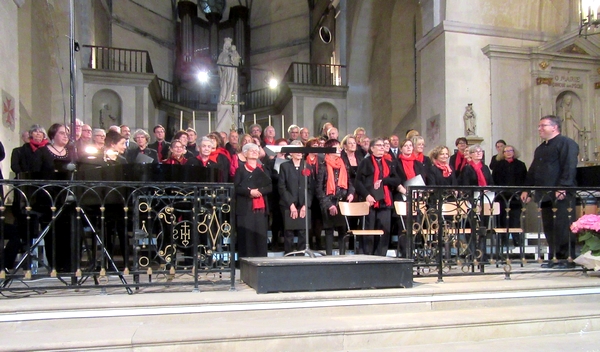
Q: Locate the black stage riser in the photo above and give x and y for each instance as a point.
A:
(297, 274)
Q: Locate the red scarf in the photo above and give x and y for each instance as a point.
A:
(212, 157)
(510, 160)
(269, 141)
(335, 163)
(408, 164)
(313, 161)
(173, 161)
(460, 161)
(35, 146)
(420, 157)
(221, 150)
(387, 196)
(480, 178)
(446, 169)
(387, 156)
(258, 204)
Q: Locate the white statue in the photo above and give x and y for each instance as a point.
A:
(470, 119)
(230, 59)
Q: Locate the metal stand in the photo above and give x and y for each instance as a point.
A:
(43, 234)
(306, 150)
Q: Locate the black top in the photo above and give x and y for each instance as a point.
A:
(131, 154)
(554, 163)
(291, 185)
(365, 178)
(22, 159)
(48, 163)
(327, 200)
(510, 174)
(435, 177)
(468, 176)
(351, 169)
(164, 151)
(245, 180)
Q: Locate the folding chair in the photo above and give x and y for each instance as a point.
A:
(353, 210)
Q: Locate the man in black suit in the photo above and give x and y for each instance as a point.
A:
(161, 146)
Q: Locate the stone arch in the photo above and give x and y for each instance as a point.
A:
(107, 108)
(324, 112)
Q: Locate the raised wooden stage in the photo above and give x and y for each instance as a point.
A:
(297, 274)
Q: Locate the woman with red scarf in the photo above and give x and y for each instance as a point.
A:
(408, 165)
(314, 162)
(176, 155)
(252, 185)
(475, 172)
(459, 159)
(376, 178)
(222, 156)
(333, 186)
(440, 173)
(22, 158)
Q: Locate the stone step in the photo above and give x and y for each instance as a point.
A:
(343, 320)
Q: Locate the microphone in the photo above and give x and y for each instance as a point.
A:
(71, 167)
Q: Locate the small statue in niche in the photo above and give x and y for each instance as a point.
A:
(470, 119)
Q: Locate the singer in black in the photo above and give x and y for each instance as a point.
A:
(333, 186)
(376, 178)
(252, 185)
(292, 198)
(52, 162)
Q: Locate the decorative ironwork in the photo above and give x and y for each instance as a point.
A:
(166, 228)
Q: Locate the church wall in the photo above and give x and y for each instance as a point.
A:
(279, 36)
(9, 79)
(432, 92)
(162, 57)
(511, 106)
(549, 16)
(361, 24)
(404, 23)
(380, 73)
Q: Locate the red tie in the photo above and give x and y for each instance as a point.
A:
(159, 151)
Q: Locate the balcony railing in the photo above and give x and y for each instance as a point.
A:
(117, 59)
(316, 74)
(179, 95)
(260, 98)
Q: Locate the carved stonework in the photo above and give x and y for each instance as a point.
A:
(544, 65)
(573, 49)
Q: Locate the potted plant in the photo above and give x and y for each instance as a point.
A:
(587, 229)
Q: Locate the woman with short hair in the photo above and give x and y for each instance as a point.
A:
(252, 186)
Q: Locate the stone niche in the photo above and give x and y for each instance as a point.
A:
(561, 78)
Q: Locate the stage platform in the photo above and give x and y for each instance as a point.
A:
(325, 273)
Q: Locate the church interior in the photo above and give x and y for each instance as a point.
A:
(387, 66)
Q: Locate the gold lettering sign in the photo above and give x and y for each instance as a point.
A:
(543, 80)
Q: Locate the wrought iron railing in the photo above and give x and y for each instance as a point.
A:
(469, 228)
(117, 59)
(260, 98)
(179, 95)
(316, 74)
(183, 229)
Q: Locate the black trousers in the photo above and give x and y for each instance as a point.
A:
(558, 234)
(380, 219)
(252, 234)
(288, 240)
